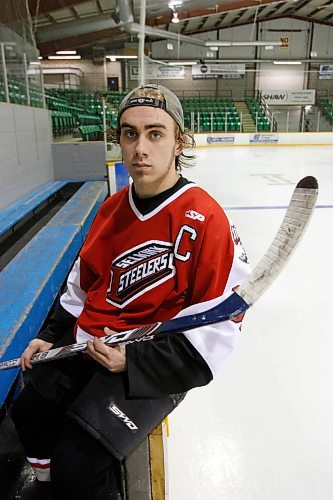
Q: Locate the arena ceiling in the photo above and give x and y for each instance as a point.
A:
(81, 24)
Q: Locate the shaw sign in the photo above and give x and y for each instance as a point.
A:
(290, 97)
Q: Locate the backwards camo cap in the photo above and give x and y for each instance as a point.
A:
(171, 104)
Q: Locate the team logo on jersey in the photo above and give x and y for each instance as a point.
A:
(138, 270)
(192, 214)
(237, 241)
(234, 235)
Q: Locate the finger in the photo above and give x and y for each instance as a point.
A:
(97, 356)
(100, 347)
(25, 364)
(107, 331)
(94, 349)
(25, 359)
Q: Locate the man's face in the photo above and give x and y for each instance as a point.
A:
(149, 146)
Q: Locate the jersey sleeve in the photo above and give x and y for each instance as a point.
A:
(175, 364)
(71, 303)
(78, 282)
(223, 267)
(59, 323)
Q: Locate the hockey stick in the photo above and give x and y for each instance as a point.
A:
(288, 236)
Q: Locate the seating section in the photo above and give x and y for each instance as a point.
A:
(18, 93)
(78, 112)
(207, 114)
(91, 132)
(258, 114)
(75, 110)
(326, 107)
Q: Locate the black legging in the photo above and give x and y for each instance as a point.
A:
(81, 468)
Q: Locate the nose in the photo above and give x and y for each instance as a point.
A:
(141, 145)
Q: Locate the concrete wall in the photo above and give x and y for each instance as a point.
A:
(25, 151)
(79, 161)
(94, 75)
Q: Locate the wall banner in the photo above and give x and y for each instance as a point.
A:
(205, 71)
(326, 72)
(158, 72)
(220, 139)
(294, 97)
(264, 138)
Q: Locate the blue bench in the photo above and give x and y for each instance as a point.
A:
(30, 283)
(19, 210)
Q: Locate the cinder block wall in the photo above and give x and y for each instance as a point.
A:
(79, 161)
(25, 151)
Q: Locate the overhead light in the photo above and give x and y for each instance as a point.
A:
(175, 18)
(214, 49)
(217, 44)
(64, 57)
(182, 63)
(121, 57)
(40, 57)
(66, 52)
(287, 62)
(169, 46)
(175, 3)
(269, 47)
(255, 43)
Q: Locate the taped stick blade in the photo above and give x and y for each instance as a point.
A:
(308, 182)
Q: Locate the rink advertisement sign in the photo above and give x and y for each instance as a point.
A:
(290, 97)
(326, 72)
(158, 72)
(264, 138)
(220, 139)
(206, 71)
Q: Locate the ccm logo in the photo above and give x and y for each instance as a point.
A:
(122, 417)
(192, 214)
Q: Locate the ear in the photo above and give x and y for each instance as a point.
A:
(179, 146)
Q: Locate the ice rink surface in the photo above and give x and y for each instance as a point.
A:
(263, 429)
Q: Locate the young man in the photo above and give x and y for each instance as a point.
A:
(159, 248)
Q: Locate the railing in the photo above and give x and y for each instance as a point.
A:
(268, 113)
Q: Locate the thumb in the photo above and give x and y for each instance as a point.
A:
(107, 331)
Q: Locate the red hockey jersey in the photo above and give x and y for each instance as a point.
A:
(136, 269)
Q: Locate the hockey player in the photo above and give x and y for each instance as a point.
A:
(159, 248)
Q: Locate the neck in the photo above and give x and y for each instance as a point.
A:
(148, 191)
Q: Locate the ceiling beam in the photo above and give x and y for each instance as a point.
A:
(16, 11)
(99, 7)
(75, 42)
(40, 7)
(206, 11)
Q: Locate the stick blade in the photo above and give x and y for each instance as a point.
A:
(308, 182)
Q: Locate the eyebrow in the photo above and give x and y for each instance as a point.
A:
(147, 127)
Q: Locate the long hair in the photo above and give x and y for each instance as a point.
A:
(186, 158)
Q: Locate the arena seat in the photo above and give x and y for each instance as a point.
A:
(30, 283)
(326, 107)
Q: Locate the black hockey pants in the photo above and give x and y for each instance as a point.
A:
(81, 468)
